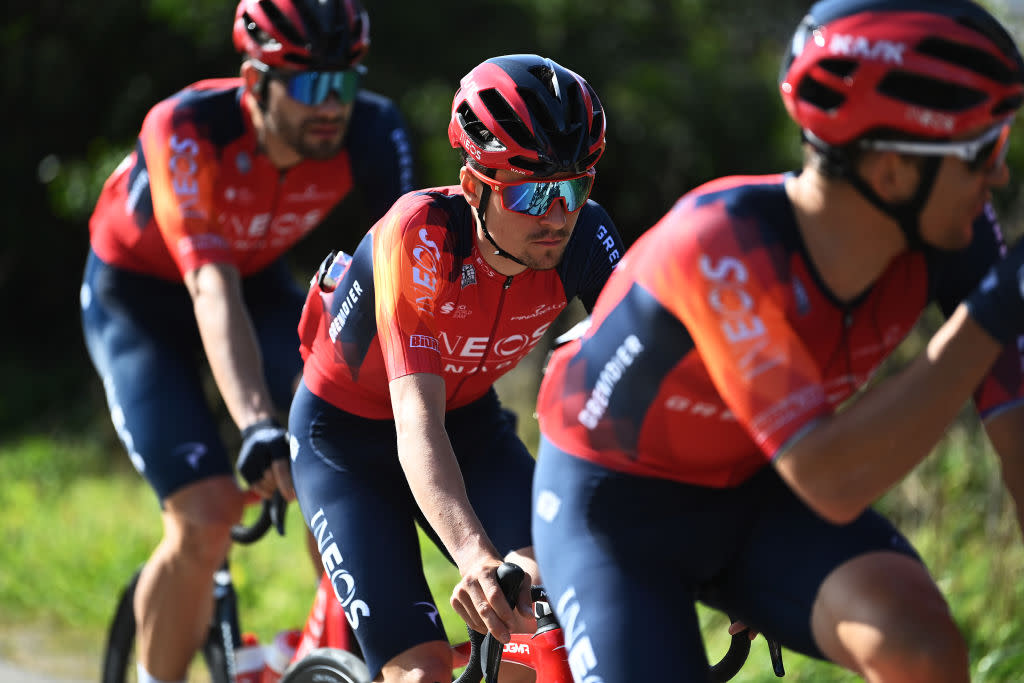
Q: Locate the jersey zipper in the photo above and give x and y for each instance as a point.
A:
(490, 337)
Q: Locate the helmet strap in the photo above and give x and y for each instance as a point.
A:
(262, 89)
(485, 196)
(906, 213)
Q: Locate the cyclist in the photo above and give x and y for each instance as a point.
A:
(396, 419)
(187, 255)
(693, 445)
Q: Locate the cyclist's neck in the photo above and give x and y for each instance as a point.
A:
(849, 241)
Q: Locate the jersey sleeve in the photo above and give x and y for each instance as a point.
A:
(957, 274)
(182, 169)
(408, 263)
(731, 303)
(381, 151)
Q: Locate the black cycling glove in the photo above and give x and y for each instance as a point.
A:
(263, 442)
(997, 303)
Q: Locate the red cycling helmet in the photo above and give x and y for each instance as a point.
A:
(302, 34)
(528, 114)
(923, 68)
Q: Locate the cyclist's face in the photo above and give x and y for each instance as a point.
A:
(957, 198)
(314, 132)
(537, 241)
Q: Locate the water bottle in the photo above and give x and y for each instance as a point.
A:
(249, 662)
(279, 654)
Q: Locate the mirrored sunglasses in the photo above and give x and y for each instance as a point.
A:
(312, 88)
(983, 153)
(535, 197)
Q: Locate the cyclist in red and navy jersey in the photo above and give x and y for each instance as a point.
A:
(188, 241)
(396, 420)
(712, 435)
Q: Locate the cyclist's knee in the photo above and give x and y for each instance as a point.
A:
(424, 663)
(882, 616)
(198, 519)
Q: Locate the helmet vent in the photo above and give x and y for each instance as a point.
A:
(506, 117)
(840, 68)
(929, 92)
(476, 130)
(281, 23)
(545, 75)
(1007, 106)
(597, 125)
(965, 56)
(539, 110)
(819, 95)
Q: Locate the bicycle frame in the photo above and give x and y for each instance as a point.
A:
(542, 651)
(326, 625)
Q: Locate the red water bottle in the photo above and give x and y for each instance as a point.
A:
(249, 660)
(278, 655)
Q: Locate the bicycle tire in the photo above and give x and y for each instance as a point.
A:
(327, 665)
(118, 661)
(121, 635)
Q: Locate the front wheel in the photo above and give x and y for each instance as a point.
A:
(327, 665)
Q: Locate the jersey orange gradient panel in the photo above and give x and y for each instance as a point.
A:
(182, 178)
(734, 308)
(407, 263)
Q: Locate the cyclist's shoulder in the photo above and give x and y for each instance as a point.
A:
(209, 109)
(739, 195)
(733, 213)
(595, 231)
(436, 208)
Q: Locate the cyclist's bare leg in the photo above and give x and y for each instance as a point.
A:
(173, 602)
(424, 663)
(314, 555)
(882, 616)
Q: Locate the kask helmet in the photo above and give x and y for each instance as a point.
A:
(528, 114)
(302, 34)
(923, 68)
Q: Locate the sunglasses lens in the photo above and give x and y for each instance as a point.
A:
(314, 87)
(992, 154)
(535, 199)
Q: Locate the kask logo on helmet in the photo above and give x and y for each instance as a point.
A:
(859, 46)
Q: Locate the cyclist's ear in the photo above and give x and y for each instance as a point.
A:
(252, 78)
(471, 187)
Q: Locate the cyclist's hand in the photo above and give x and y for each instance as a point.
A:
(263, 459)
(478, 600)
(282, 472)
(739, 627)
(997, 304)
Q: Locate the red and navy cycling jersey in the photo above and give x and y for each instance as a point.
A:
(417, 296)
(716, 342)
(196, 189)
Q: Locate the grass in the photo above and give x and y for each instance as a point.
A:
(76, 521)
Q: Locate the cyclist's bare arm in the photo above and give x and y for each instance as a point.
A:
(1006, 432)
(848, 460)
(233, 353)
(436, 482)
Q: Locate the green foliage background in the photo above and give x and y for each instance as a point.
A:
(689, 89)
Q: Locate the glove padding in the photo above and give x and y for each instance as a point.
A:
(263, 442)
(997, 303)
